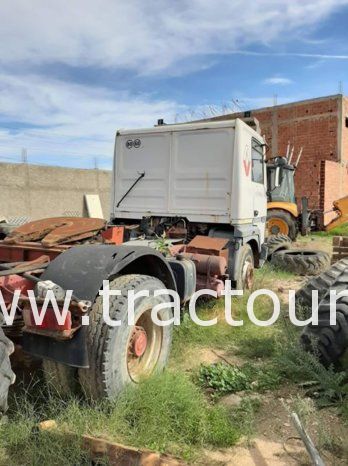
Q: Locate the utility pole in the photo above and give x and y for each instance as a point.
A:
(24, 155)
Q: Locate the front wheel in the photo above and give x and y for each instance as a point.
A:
(245, 268)
(126, 354)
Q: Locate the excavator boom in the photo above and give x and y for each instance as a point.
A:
(341, 208)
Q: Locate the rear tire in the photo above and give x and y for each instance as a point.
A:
(281, 222)
(302, 262)
(7, 376)
(114, 363)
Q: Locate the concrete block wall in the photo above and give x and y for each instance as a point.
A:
(37, 191)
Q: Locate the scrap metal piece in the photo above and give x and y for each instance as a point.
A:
(58, 230)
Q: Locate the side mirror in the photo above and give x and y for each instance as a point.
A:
(278, 176)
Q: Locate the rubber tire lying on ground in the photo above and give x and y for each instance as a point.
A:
(336, 277)
(108, 346)
(7, 376)
(328, 342)
(302, 262)
(277, 243)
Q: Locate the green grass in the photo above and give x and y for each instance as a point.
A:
(175, 412)
(223, 378)
(166, 413)
(342, 230)
(248, 341)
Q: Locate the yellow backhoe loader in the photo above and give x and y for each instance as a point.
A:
(283, 215)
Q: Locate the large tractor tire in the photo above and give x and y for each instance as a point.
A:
(329, 342)
(61, 379)
(281, 222)
(336, 277)
(302, 262)
(277, 243)
(7, 376)
(124, 355)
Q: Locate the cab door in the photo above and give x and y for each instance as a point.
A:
(258, 177)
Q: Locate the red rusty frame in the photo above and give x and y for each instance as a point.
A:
(27, 251)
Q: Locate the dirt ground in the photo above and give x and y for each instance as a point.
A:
(275, 442)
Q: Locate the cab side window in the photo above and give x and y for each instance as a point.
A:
(257, 162)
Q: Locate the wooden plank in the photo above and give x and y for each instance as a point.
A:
(340, 241)
(116, 453)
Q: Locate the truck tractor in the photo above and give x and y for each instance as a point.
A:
(188, 212)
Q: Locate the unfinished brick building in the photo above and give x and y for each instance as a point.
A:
(320, 126)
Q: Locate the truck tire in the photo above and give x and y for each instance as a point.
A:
(63, 379)
(245, 269)
(336, 277)
(328, 342)
(123, 355)
(277, 243)
(7, 376)
(301, 261)
(281, 222)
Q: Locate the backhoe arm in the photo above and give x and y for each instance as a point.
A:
(341, 208)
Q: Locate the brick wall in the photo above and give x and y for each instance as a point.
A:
(334, 184)
(317, 125)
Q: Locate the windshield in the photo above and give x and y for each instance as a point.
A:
(286, 191)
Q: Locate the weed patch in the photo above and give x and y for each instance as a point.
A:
(167, 413)
(222, 378)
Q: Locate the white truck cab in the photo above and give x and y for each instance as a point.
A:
(207, 177)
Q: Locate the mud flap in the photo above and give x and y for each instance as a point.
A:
(70, 352)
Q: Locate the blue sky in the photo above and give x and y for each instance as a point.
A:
(72, 72)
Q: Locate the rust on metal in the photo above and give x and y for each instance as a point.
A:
(208, 245)
(27, 266)
(207, 264)
(27, 251)
(54, 231)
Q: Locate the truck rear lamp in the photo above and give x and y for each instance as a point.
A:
(49, 321)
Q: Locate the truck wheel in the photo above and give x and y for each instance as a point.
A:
(277, 243)
(328, 342)
(245, 271)
(62, 378)
(301, 261)
(281, 222)
(7, 376)
(126, 354)
(333, 278)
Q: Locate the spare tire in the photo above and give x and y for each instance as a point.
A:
(277, 243)
(336, 277)
(302, 261)
(7, 376)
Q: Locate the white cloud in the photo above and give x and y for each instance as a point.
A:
(146, 36)
(278, 80)
(65, 120)
(150, 37)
